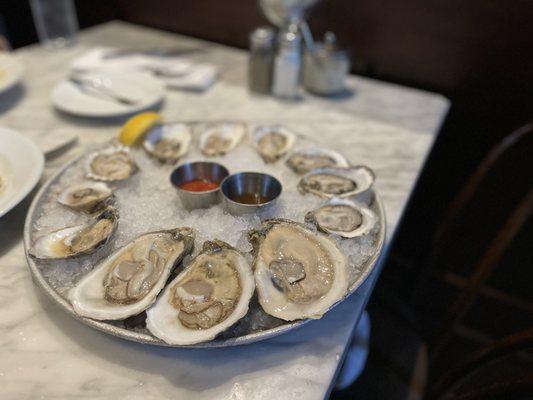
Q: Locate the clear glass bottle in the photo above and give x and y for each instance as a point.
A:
(261, 60)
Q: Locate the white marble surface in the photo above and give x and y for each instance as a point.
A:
(44, 354)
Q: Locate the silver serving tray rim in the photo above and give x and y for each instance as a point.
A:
(140, 337)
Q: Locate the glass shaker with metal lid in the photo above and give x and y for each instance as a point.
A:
(262, 52)
(325, 69)
(287, 64)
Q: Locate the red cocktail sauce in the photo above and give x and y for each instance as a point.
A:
(199, 185)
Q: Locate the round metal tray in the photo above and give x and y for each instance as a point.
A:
(135, 335)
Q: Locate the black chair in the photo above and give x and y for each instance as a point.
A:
(448, 386)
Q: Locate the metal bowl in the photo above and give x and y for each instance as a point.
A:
(113, 328)
(249, 183)
(209, 171)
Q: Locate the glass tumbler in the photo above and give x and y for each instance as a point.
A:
(56, 22)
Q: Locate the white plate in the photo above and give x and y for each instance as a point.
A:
(10, 71)
(68, 97)
(21, 167)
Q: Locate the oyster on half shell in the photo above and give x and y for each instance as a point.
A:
(208, 297)
(298, 273)
(112, 164)
(168, 142)
(273, 142)
(86, 196)
(303, 161)
(77, 240)
(337, 182)
(343, 217)
(128, 281)
(220, 138)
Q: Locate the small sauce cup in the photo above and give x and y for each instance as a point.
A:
(191, 178)
(247, 192)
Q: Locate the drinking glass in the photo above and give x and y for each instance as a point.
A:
(56, 22)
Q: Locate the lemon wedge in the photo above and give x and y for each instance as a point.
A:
(135, 127)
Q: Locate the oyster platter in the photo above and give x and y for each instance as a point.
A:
(205, 234)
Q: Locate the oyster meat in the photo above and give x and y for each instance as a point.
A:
(273, 142)
(220, 139)
(128, 281)
(343, 217)
(86, 196)
(168, 142)
(209, 296)
(77, 240)
(112, 164)
(337, 182)
(303, 161)
(298, 273)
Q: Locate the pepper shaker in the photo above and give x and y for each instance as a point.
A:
(261, 60)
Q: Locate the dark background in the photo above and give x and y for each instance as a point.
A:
(478, 53)
(441, 45)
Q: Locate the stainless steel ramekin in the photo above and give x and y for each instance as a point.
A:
(209, 171)
(253, 183)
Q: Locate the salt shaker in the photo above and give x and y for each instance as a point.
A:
(261, 60)
(287, 64)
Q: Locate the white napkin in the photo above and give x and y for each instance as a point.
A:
(175, 72)
(199, 78)
(52, 139)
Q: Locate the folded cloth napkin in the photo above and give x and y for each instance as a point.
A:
(200, 78)
(174, 71)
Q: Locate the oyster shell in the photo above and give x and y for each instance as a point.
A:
(298, 273)
(128, 281)
(337, 182)
(209, 296)
(219, 139)
(168, 143)
(86, 196)
(112, 164)
(273, 142)
(303, 161)
(343, 217)
(77, 240)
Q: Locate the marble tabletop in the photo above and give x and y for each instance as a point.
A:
(45, 354)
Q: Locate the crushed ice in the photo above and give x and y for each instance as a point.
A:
(147, 202)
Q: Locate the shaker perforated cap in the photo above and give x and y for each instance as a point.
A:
(262, 37)
(290, 38)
